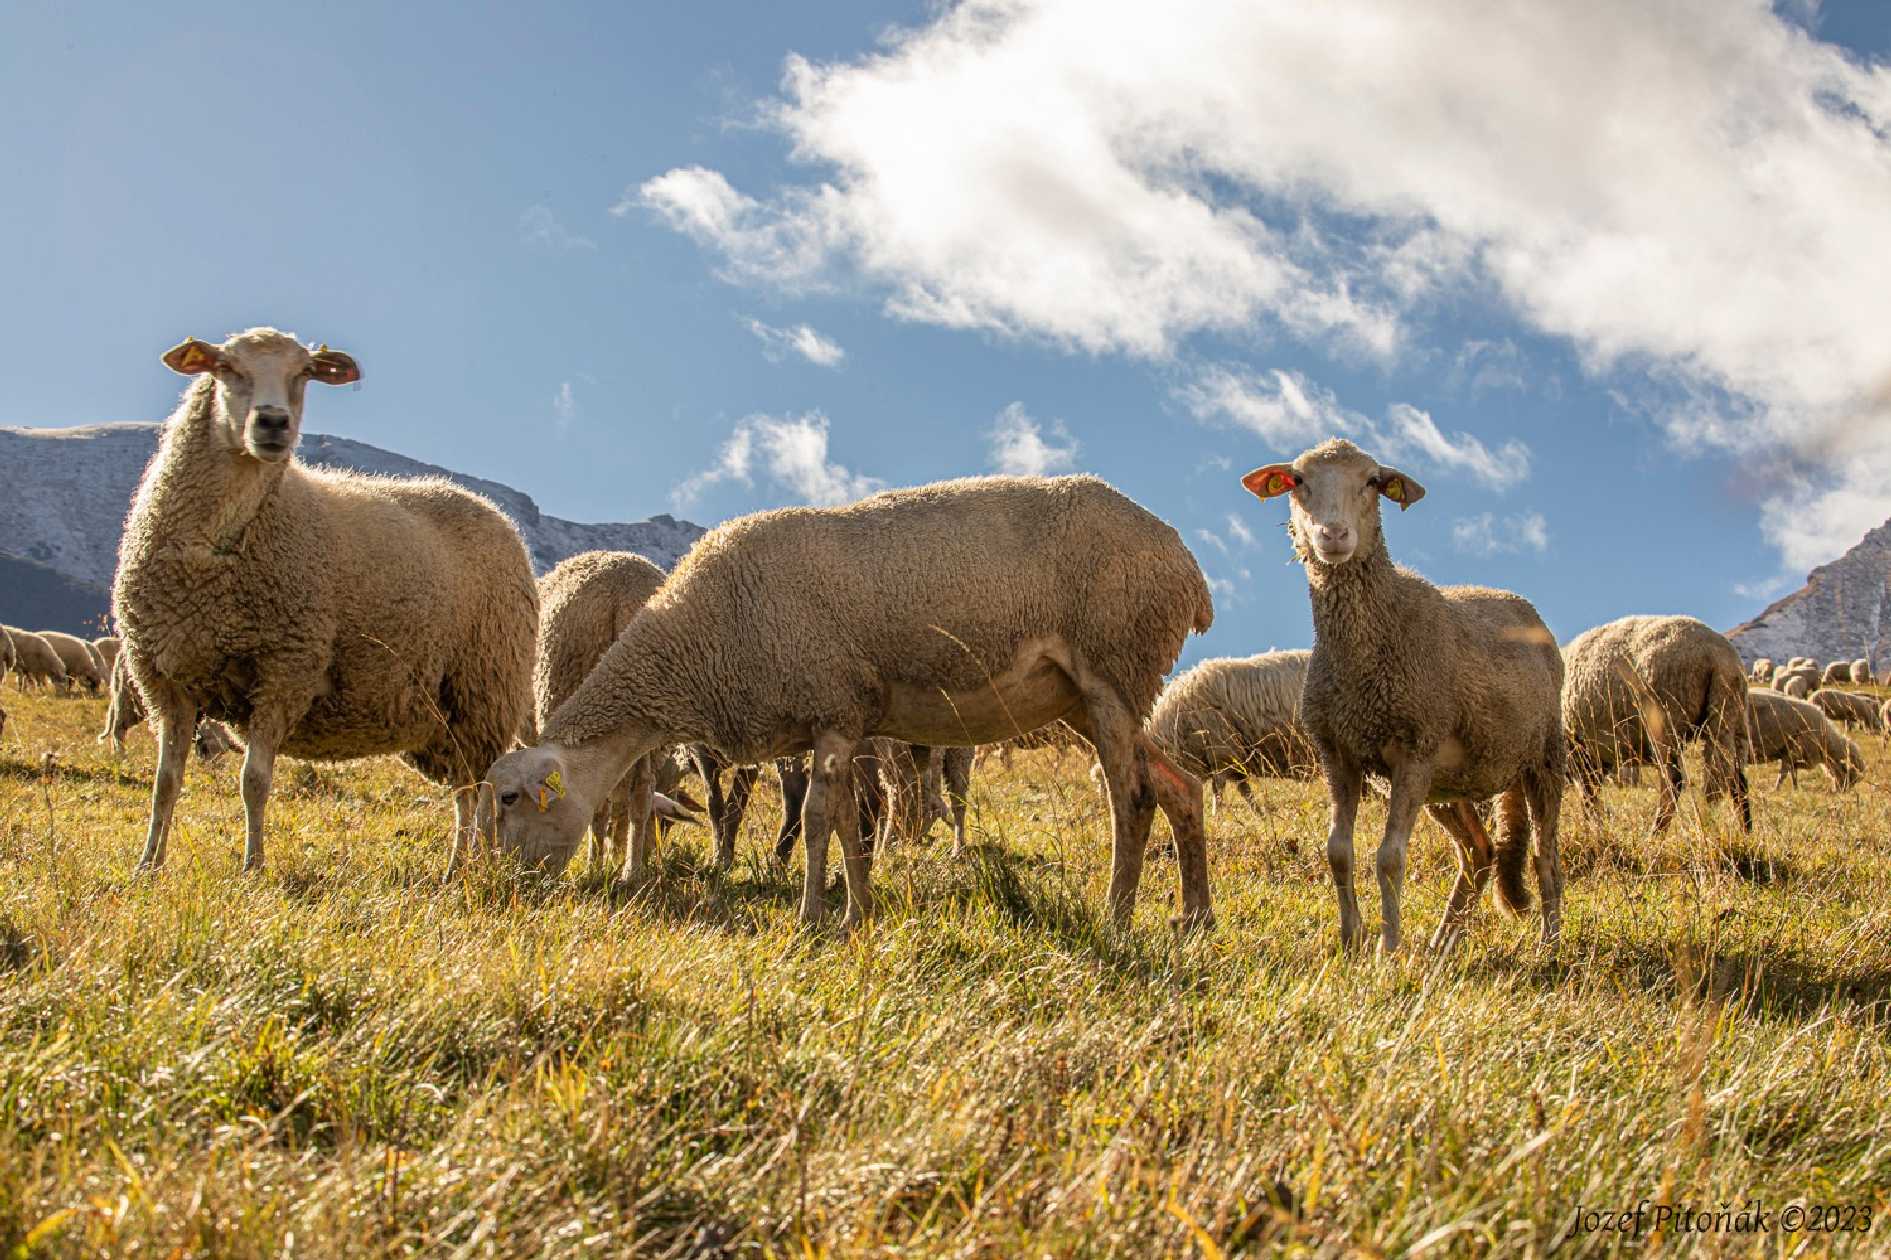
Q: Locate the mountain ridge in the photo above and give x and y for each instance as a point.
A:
(1842, 612)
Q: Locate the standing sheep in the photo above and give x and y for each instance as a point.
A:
(1797, 687)
(1450, 693)
(1848, 707)
(1644, 688)
(327, 615)
(951, 614)
(1798, 735)
(83, 666)
(1763, 671)
(35, 661)
(107, 649)
(1861, 673)
(1232, 718)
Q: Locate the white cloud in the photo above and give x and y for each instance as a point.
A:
(564, 404)
(1212, 539)
(800, 339)
(1692, 191)
(792, 452)
(1289, 411)
(1483, 366)
(1766, 590)
(540, 229)
(1239, 531)
(1485, 535)
(1018, 445)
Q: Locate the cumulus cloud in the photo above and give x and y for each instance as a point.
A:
(540, 229)
(801, 339)
(1290, 411)
(1019, 446)
(791, 452)
(1485, 535)
(1691, 192)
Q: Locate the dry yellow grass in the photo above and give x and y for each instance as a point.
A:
(342, 1057)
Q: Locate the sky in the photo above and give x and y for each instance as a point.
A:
(1611, 280)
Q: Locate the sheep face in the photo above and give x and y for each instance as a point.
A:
(1333, 502)
(533, 808)
(260, 376)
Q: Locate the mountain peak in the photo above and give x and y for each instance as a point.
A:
(1842, 612)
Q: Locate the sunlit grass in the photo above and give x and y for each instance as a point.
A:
(345, 1057)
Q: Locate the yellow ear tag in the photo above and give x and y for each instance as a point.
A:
(1394, 489)
(556, 783)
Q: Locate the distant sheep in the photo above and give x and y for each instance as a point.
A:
(1642, 688)
(1836, 674)
(1232, 718)
(83, 666)
(1450, 693)
(35, 661)
(1848, 707)
(1798, 687)
(328, 615)
(1861, 673)
(950, 614)
(1797, 735)
(1762, 670)
(1801, 673)
(107, 649)
(8, 658)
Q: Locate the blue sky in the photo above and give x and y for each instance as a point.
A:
(1610, 282)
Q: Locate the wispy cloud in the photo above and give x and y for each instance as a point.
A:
(1689, 194)
(564, 403)
(540, 229)
(1018, 445)
(1486, 535)
(1288, 410)
(801, 339)
(791, 451)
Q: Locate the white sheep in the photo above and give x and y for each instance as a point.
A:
(1836, 674)
(83, 666)
(951, 614)
(327, 615)
(1860, 674)
(1762, 670)
(1797, 735)
(1798, 687)
(35, 661)
(1851, 708)
(1452, 694)
(1230, 719)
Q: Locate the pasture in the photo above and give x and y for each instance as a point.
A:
(344, 1057)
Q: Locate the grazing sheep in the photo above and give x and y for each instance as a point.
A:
(107, 649)
(83, 666)
(1798, 735)
(1451, 693)
(1848, 707)
(8, 658)
(1860, 675)
(1836, 674)
(1762, 670)
(35, 661)
(1644, 688)
(327, 615)
(951, 614)
(1798, 687)
(1232, 718)
(1802, 673)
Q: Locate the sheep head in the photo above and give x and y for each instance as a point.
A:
(1333, 498)
(260, 375)
(538, 808)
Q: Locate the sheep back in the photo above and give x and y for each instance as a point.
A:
(583, 605)
(35, 659)
(1695, 677)
(1238, 713)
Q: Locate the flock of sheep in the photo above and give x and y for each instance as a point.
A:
(865, 650)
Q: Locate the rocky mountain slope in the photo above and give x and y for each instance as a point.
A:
(64, 494)
(1843, 611)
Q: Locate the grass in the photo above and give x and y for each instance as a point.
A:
(344, 1058)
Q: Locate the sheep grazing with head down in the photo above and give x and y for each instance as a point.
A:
(327, 615)
(35, 661)
(1797, 687)
(81, 660)
(1798, 736)
(1234, 718)
(1450, 693)
(1836, 674)
(1642, 689)
(1860, 674)
(951, 614)
(1849, 707)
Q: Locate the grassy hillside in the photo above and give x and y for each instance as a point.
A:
(342, 1057)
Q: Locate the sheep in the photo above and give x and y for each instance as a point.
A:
(1798, 687)
(327, 615)
(1796, 735)
(1450, 693)
(1231, 718)
(1782, 678)
(35, 661)
(1860, 674)
(897, 787)
(1836, 674)
(1848, 707)
(125, 710)
(82, 663)
(8, 658)
(950, 614)
(1644, 687)
(1762, 670)
(107, 648)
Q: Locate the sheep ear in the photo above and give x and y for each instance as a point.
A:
(1398, 487)
(332, 367)
(1271, 480)
(192, 357)
(547, 789)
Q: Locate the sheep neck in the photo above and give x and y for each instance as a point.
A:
(210, 493)
(1350, 602)
(634, 688)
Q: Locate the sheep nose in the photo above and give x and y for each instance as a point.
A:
(272, 420)
(1335, 535)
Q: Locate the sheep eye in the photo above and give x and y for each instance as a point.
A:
(508, 798)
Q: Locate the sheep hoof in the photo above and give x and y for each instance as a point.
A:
(851, 923)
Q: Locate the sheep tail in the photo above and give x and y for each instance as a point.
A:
(1513, 850)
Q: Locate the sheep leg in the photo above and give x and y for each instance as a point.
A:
(794, 794)
(957, 772)
(1344, 786)
(1411, 784)
(1673, 783)
(176, 719)
(259, 772)
(735, 806)
(638, 787)
(1476, 858)
(1107, 724)
(1544, 794)
(838, 765)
